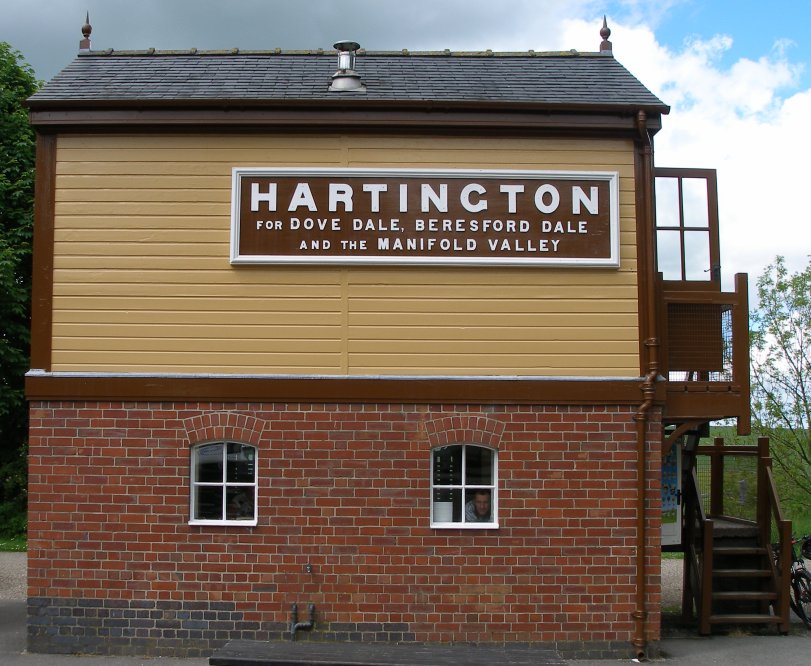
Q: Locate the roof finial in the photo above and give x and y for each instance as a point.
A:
(605, 33)
(84, 45)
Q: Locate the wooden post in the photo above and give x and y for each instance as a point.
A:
(764, 514)
(717, 477)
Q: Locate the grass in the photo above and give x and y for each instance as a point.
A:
(16, 544)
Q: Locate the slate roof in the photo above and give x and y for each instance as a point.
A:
(559, 80)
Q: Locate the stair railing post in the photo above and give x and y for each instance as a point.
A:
(717, 477)
(706, 579)
(764, 514)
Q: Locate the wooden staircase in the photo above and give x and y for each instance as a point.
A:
(743, 586)
(730, 574)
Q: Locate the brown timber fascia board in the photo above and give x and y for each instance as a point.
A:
(100, 120)
(343, 389)
(43, 252)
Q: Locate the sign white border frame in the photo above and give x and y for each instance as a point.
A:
(611, 177)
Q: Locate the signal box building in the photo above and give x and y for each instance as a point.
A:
(394, 339)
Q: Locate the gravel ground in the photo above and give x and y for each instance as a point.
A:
(12, 576)
(671, 583)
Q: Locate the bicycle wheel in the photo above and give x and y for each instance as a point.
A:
(801, 589)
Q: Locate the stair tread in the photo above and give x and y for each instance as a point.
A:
(744, 618)
(739, 550)
(742, 573)
(744, 594)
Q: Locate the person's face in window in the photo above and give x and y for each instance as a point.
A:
(481, 504)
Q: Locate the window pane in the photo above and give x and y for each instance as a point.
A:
(479, 462)
(208, 463)
(447, 506)
(668, 251)
(208, 503)
(239, 503)
(697, 255)
(667, 202)
(694, 192)
(448, 466)
(240, 463)
(478, 507)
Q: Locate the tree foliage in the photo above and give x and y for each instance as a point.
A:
(17, 152)
(781, 376)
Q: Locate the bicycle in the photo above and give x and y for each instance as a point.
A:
(800, 599)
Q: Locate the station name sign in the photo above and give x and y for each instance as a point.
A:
(424, 217)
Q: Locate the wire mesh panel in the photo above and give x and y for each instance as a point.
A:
(699, 342)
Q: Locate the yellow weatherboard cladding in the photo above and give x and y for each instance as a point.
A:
(143, 283)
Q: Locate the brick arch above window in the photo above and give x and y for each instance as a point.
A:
(224, 426)
(464, 429)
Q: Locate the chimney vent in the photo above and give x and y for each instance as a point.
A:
(346, 78)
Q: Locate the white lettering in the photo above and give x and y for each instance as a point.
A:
(374, 190)
(464, 198)
(302, 196)
(511, 191)
(541, 192)
(322, 223)
(579, 197)
(257, 196)
(429, 196)
(340, 192)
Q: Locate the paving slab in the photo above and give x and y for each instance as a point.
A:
(312, 653)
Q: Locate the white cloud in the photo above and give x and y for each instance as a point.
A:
(748, 120)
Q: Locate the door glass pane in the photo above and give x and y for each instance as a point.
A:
(208, 503)
(697, 255)
(694, 191)
(208, 461)
(668, 251)
(667, 202)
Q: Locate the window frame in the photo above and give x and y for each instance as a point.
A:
(465, 487)
(223, 483)
(681, 230)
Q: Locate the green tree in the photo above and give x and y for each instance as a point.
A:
(17, 151)
(781, 377)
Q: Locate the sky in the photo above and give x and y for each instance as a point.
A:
(736, 74)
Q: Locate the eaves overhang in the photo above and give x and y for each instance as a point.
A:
(191, 114)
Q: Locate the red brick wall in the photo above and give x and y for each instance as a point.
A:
(344, 488)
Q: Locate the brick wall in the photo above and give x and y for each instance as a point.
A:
(114, 566)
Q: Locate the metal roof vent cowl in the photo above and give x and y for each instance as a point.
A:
(346, 78)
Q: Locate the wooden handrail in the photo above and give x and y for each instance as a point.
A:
(698, 571)
(700, 528)
(769, 508)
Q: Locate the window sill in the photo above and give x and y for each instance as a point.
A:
(225, 523)
(464, 526)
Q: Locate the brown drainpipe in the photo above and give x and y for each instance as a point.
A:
(651, 345)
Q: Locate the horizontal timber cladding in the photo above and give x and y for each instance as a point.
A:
(116, 568)
(142, 280)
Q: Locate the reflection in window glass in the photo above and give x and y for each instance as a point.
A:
(668, 254)
(694, 195)
(463, 486)
(223, 487)
(697, 255)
